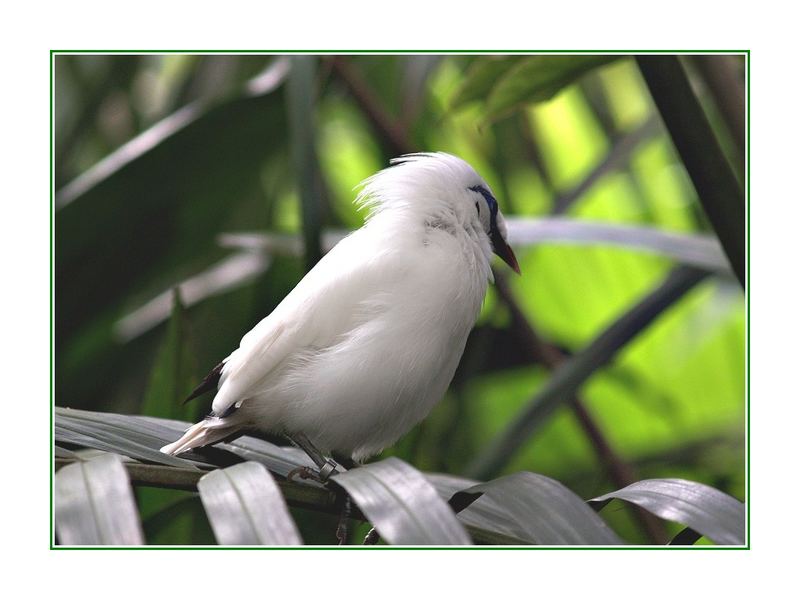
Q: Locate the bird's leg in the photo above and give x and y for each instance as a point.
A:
(325, 465)
(341, 527)
(347, 462)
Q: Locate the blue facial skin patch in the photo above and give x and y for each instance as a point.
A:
(490, 201)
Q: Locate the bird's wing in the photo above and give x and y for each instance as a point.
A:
(317, 311)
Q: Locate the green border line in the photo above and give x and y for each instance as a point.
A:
(390, 548)
(747, 303)
(406, 51)
(745, 52)
(52, 361)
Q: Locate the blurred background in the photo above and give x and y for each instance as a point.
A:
(194, 191)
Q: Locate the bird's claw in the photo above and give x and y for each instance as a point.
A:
(303, 473)
(321, 476)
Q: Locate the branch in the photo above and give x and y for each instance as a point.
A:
(392, 134)
(693, 454)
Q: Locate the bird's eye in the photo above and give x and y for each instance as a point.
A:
(478, 207)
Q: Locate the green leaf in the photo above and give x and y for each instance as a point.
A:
(405, 506)
(130, 436)
(60, 452)
(486, 516)
(402, 505)
(539, 508)
(280, 460)
(538, 78)
(94, 504)
(175, 372)
(141, 437)
(710, 512)
(481, 77)
(135, 220)
(300, 105)
(565, 381)
(230, 273)
(173, 376)
(623, 146)
(245, 507)
(178, 518)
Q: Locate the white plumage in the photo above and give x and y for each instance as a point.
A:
(369, 340)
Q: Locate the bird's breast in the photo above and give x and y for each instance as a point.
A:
(380, 378)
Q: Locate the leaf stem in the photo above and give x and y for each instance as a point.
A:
(717, 188)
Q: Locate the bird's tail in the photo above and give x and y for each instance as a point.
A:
(207, 431)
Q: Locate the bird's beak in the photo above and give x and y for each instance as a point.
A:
(504, 251)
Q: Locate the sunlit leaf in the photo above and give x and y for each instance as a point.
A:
(487, 515)
(406, 506)
(542, 510)
(245, 507)
(528, 506)
(714, 514)
(480, 78)
(94, 504)
(618, 157)
(569, 377)
(402, 505)
(538, 78)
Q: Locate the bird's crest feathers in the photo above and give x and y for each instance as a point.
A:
(426, 182)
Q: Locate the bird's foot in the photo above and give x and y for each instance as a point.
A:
(325, 472)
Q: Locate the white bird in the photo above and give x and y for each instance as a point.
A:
(367, 343)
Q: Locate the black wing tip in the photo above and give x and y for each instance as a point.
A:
(209, 383)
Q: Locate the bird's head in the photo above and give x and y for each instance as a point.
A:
(441, 189)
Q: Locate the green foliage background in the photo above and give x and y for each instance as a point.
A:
(158, 155)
